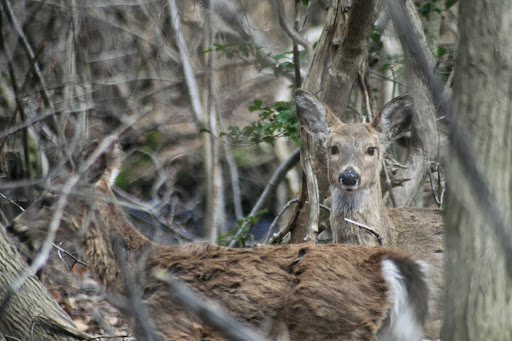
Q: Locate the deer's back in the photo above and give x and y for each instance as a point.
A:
(308, 292)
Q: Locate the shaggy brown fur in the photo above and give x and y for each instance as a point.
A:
(303, 292)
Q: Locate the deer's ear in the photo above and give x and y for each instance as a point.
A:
(312, 113)
(394, 119)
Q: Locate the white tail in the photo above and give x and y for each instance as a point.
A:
(328, 292)
(354, 158)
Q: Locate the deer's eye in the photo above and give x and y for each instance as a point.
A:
(47, 201)
(334, 150)
(371, 150)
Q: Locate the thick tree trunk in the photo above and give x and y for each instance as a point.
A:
(32, 313)
(479, 286)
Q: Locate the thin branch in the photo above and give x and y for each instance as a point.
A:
(296, 56)
(233, 170)
(388, 183)
(291, 32)
(274, 223)
(380, 238)
(211, 313)
(75, 260)
(193, 90)
(40, 118)
(269, 190)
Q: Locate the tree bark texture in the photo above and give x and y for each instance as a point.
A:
(478, 297)
(31, 313)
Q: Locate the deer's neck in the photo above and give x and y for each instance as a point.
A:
(364, 207)
(114, 250)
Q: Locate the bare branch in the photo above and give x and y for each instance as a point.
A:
(380, 238)
(291, 32)
(279, 235)
(193, 90)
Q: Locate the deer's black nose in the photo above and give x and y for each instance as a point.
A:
(349, 177)
(10, 228)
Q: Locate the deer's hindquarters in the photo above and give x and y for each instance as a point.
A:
(409, 297)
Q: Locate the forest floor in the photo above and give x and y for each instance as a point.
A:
(83, 299)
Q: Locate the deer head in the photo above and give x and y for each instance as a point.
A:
(354, 158)
(34, 223)
(354, 151)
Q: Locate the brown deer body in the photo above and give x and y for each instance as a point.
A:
(354, 158)
(299, 292)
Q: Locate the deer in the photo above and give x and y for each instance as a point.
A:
(358, 213)
(295, 292)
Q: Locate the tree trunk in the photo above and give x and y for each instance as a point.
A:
(31, 313)
(479, 286)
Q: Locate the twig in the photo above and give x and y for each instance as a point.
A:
(209, 312)
(193, 90)
(233, 170)
(99, 337)
(12, 202)
(264, 198)
(292, 33)
(26, 124)
(389, 183)
(296, 59)
(33, 63)
(271, 228)
(75, 260)
(380, 238)
(393, 80)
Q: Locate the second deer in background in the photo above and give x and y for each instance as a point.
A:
(354, 160)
